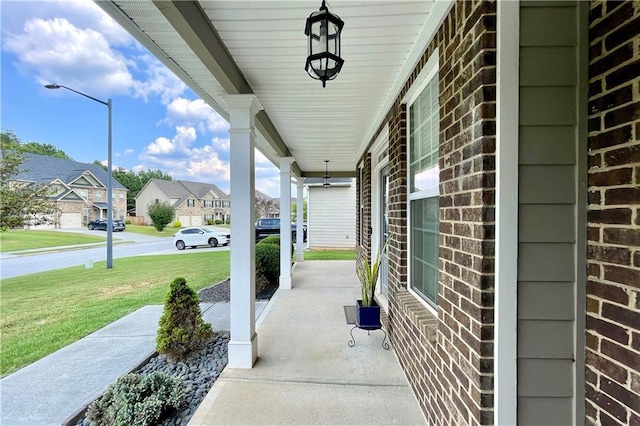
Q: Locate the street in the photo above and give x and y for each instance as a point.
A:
(125, 244)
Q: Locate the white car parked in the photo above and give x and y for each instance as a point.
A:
(192, 237)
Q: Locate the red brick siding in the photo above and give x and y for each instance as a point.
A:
(449, 359)
(613, 300)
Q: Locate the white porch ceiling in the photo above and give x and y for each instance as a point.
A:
(228, 47)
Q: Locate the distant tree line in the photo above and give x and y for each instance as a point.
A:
(134, 182)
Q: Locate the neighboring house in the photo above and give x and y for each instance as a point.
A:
(78, 190)
(195, 203)
(328, 226)
(504, 137)
(266, 206)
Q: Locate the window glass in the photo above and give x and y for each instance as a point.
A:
(424, 181)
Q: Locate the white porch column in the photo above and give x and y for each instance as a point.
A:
(243, 344)
(285, 223)
(299, 221)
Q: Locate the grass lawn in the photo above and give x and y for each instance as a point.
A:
(15, 240)
(150, 230)
(45, 311)
(329, 254)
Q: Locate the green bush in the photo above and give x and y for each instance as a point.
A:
(271, 239)
(177, 224)
(268, 261)
(127, 222)
(274, 239)
(218, 222)
(136, 400)
(182, 329)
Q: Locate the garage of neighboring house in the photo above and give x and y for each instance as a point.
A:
(70, 220)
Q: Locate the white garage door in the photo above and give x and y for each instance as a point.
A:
(196, 220)
(71, 220)
(185, 220)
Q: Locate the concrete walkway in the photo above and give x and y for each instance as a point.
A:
(306, 373)
(55, 387)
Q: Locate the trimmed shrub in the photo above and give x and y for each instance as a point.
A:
(127, 222)
(182, 329)
(177, 224)
(218, 222)
(271, 239)
(267, 263)
(274, 239)
(136, 400)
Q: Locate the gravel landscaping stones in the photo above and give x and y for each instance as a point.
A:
(221, 292)
(199, 373)
(201, 370)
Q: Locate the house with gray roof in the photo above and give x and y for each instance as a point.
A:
(195, 203)
(78, 190)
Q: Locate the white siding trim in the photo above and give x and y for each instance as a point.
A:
(506, 272)
(581, 207)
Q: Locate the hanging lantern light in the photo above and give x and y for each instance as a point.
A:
(325, 182)
(323, 31)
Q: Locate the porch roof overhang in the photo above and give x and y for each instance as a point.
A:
(257, 47)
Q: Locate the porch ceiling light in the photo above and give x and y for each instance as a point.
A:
(323, 31)
(325, 182)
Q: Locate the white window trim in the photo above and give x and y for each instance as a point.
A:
(429, 70)
(379, 146)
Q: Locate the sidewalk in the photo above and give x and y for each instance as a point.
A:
(306, 373)
(55, 387)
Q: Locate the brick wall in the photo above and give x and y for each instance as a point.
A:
(448, 359)
(613, 300)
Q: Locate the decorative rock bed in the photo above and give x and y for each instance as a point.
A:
(202, 369)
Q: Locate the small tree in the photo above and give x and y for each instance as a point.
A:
(20, 202)
(161, 214)
(182, 329)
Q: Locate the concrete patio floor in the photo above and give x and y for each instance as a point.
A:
(306, 373)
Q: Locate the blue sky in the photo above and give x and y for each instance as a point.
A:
(158, 122)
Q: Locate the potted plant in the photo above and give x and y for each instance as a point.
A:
(367, 310)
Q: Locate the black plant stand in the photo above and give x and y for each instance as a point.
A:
(352, 342)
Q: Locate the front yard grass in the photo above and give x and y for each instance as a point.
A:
(45, 311)
(17, 239)
(150, 230)
(330, 254)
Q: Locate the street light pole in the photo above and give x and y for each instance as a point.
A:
(109, 170)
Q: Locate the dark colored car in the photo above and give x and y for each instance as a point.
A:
(271, 226)
(101, 225)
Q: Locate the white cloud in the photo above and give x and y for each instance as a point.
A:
(221, 144)
(182, 160)
(128, 151)
(160, 81)
(58, 52)
(195, 113)
(178, 145)
(85, 50)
